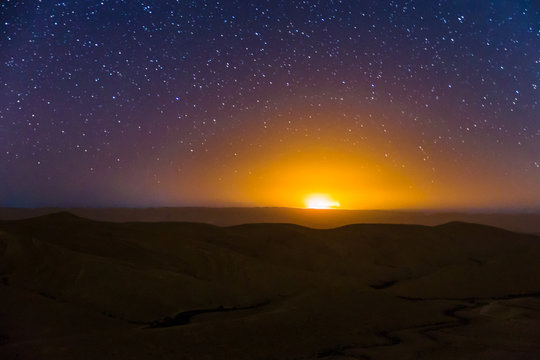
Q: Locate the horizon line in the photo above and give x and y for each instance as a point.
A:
(408, 210)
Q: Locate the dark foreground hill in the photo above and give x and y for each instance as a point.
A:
(73, 288)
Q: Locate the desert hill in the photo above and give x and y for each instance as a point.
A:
(525, 222)
(74, 288)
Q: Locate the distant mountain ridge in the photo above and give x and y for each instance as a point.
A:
(519, 222)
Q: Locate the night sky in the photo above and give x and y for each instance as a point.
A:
(376, 104)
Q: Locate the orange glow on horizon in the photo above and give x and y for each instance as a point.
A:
(285, 172)
(321, 201)
(323, 178)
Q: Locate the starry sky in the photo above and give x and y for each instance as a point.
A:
(377, 104)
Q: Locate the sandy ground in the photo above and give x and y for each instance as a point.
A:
(72, 288)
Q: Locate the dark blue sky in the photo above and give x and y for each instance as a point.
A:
(172, 102)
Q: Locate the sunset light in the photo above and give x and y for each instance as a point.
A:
(319, 201)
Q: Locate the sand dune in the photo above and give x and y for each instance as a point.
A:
(73, 288)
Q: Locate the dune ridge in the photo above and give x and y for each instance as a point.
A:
(518, 221)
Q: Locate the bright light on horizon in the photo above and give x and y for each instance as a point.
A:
(321, 201)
